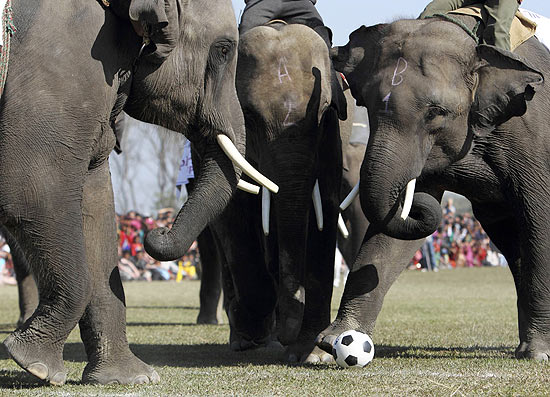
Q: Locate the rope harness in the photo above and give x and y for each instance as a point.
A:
(8, 30)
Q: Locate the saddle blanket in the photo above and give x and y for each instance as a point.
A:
(543, 26)
(522, 27)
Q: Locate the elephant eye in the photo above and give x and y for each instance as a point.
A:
(434, 112)
(224, 48)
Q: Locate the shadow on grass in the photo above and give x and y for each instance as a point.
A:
(7, 328)
(19, 379)
(149, 324)
(185, 356)
(385, 351)
(164, 307)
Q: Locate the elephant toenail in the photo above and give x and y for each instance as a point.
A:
(39, 370)
(155, 378)
(140, 379)
(58, 379)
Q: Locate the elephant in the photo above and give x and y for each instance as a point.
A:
(354, 141)
(450, 115)
(277, 256)
(167, 62)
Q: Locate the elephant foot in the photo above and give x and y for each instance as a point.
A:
(45, 363)
(248, 330)
(124, 369)
(535, 350)
(325, 340)
(238, 342)
(210, 319)
(306, 353)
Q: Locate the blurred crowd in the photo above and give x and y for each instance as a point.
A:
(459, 242)
(135, 264)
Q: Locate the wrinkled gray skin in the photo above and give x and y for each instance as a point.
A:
(286, 276)
(457, 120)
(56, 202)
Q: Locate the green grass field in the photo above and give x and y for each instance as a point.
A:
(451, 333)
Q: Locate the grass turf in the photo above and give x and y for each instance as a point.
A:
(451, 333)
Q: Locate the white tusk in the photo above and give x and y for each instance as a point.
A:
(231, 151)
(342, 226)
(318, 205)
(248, 187)
(266, 206)
(409, 194)
(347, 201)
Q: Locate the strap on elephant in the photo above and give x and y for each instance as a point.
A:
(8, 30)
(470, 32)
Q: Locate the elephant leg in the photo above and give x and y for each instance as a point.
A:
(318, 286)
(380, 261)
(533, 323)
(26, 286)
(103, 325)
(26, 289)
(251, 299)
(211, 278)
(47, 222)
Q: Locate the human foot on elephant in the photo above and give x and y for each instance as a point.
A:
(462, 134)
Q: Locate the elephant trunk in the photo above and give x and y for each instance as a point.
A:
(292, 213)
(216, 182)
(383, 198)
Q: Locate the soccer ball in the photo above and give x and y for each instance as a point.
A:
(353, 349)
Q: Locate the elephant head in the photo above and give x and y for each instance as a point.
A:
(429, 91)
(184, 80)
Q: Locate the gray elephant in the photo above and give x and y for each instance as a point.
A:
(452, 116)
(354, 134)
(69, 77)
(278, 252)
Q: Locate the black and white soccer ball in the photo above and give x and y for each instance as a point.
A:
(353, 349)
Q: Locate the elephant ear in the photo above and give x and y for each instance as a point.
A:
(505, 85)
(162, 24)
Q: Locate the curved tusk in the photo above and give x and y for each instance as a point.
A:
(342, 226)
(318, 205)
(409, 194)
(248, 187)
(266, 206)
(347, 201)
(231, 151)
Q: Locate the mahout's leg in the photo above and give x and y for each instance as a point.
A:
(103, 325)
